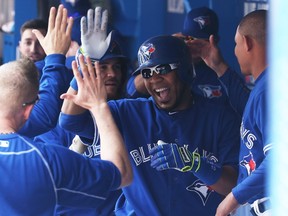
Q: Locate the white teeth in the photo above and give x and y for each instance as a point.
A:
(161, 89)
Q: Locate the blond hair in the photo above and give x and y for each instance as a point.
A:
(19, 83)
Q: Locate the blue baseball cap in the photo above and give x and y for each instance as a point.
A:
(78, 8)
(201, 23)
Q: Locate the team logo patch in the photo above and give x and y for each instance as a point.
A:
(145, 52)
(210, 91)
(202, 21)
(249, 163)
(114, 48)
(201, 189)
(4, 143)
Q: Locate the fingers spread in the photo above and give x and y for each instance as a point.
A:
(97, 69)
(51, 22)
(76, 73)
(59, 16)
(104, 21)
(90, 20)
(97, 19)
(83, 25)
(90, 67)
(63, 23)
(69, 26)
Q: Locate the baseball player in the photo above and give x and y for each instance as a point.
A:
(36, 177)
(54, 81)
(113, 65)
(256, 143)
(199, 24)
(171, 115)
(29, 45)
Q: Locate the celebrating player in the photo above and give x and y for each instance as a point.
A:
(171, 115)
(199, 25)
(42, 176)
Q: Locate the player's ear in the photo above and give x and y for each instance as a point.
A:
(248, 41)
(27, 110)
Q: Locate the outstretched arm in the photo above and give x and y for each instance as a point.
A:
(92, 96)
(232, 82)
(95, 43)
(54, 79)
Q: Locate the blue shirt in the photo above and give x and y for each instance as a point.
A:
(255, 145)
(205, 127)
(36, 177)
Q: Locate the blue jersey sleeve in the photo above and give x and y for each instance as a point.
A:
(40, 65)
(82, 124)
(131, 91)
(53, 83)
(236, 90)
(56, 136)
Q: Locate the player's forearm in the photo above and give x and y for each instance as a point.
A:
(228, 205)
(226, 182)
(112, 144)
(69, 107)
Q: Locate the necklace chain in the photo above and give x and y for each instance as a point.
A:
(6, 133)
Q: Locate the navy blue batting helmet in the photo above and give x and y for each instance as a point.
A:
(166, 49)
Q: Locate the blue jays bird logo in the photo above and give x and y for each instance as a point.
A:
(249, 163)
(145, 52)
(210, 91)
(202, 21)
(201, 189)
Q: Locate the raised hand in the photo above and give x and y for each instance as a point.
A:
(58, 37)
(91, 89)
(210, 53)
(94, 39)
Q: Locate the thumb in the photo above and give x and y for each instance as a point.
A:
(67, 96)
(212, 40)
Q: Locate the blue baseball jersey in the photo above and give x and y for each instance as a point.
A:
(255, 145)
(228, 89)
(36, 177)
(40, 65)
(56, 136)
(54, 81)
(205, 127)
(63, 137)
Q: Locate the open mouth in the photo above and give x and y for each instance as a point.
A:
(163, 94)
